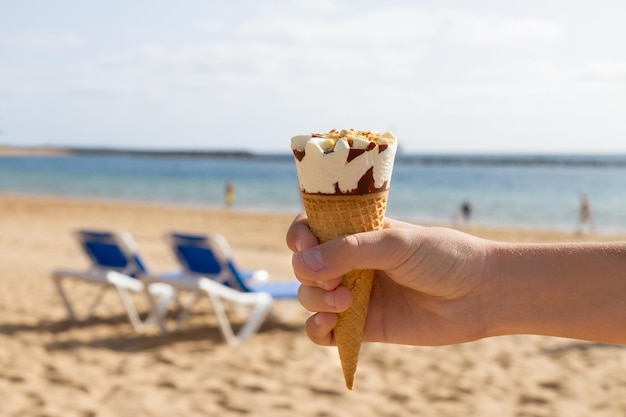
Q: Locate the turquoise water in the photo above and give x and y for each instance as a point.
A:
(503, 191)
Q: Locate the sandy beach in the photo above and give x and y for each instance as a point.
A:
(52, 367)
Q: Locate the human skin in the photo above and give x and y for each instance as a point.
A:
(438, 286)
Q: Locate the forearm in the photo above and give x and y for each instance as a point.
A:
(575, 290)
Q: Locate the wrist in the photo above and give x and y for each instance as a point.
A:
(563, 289)
(504, 292)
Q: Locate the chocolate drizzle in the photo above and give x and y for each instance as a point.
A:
(299, 154)
(354, 152)
(366, 185)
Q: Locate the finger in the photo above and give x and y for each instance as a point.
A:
(381, 250)
(316, 299)
(319, 328)
(299, 236)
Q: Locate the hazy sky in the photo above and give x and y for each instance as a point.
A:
(445, 76)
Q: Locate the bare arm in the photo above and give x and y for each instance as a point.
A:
(575, 290)
(437, 286)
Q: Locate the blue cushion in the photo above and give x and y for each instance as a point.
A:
(199, 260)
(106, 254)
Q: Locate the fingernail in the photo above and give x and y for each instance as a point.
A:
(299, 245)
(329, 299)
(312, 258)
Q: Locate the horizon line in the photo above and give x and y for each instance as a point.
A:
(404, 158)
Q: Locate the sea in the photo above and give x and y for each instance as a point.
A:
(523, 191)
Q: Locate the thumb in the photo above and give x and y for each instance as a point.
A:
(380, 250)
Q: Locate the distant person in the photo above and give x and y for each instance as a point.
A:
(229, 194)
(464, 213)
(585, 219)
(466, 210)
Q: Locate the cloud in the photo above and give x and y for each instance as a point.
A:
(305, 47)
(330, 47)
(303, 65)
(319, 6)
(377, 27)
(500, 30)
(608, 70)
(40, 42)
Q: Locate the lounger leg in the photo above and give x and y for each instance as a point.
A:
(66, 301)
(68, 306)
(185, 309)
(95, 302)
(133, 316)
(222, 318)
(258, 313)
(157, 311)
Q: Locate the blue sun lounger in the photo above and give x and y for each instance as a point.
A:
(115, 263)
(208, 267)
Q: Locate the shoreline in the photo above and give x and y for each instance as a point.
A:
(19, 151)
(476, 228)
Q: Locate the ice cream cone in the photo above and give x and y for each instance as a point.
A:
(334, 215)
(344, 178)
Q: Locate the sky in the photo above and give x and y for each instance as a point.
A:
(480, 76)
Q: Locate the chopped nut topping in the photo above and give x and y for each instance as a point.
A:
(351, 134)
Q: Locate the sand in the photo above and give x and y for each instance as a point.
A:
(52, 367)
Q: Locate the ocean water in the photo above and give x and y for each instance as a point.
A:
(526, 191)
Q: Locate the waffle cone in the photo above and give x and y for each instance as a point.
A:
(335, 215)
